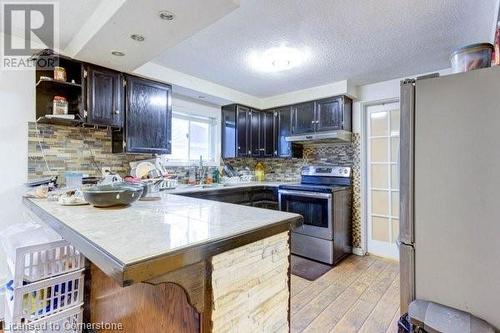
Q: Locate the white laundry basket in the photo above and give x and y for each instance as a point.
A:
(34, 252)
(43, 298)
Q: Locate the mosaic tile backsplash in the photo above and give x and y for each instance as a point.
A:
(66, 148)
(87, 150)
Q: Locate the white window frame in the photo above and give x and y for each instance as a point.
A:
(213, 141)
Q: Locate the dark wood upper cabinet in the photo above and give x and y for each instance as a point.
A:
(334, 114)
(248, 132)
(242, 131)
(284, 129)
(228, 132)
(304, 118)
(236, 125)
(104, 96)
(148, 116)
(268, 133)
(255, 134)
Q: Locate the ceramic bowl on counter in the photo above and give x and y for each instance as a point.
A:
(116, 194)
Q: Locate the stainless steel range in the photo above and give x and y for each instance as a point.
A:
(323, 198)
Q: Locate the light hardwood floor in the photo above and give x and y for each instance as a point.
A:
(361, 294)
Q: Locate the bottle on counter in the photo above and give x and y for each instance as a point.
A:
(208, 177)
(216, 176)
(260, 172)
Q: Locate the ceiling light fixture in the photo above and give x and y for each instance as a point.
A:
(117, 53)
(166, 15)
(137, 38)
(278, 59)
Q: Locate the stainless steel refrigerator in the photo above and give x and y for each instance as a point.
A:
(450, 192)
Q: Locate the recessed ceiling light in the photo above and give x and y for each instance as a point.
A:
(166, 15)
(278, 59)
(117, 53)
(138, 38)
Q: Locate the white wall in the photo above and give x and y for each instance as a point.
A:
(379, 92)
(17, 107)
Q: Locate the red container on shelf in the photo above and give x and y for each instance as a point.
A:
(60, 106)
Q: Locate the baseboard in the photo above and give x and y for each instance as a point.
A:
(358, 251)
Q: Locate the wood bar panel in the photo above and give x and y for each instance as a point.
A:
(141, 308)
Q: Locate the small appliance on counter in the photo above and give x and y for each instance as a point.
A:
(323, 198)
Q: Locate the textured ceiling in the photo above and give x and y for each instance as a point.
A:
(362, 40)
(141, 17)
(73, 14)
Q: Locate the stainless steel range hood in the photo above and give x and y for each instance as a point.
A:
(322, 137)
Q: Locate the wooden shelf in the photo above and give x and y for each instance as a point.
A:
(59, 121)
(49, 81)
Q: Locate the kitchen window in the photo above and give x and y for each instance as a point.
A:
(192, 136)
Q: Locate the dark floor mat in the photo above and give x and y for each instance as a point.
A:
(308, 269)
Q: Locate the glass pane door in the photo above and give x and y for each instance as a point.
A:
(383, 185)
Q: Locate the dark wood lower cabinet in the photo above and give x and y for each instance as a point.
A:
(259, 196)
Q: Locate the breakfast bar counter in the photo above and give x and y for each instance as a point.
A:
(231, 261)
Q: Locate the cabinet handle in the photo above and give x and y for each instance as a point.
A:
(117, 111)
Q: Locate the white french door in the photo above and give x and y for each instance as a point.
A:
(382, 129)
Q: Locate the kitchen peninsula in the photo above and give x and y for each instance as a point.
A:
(181, 264)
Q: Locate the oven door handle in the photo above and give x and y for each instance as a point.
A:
(307, 194)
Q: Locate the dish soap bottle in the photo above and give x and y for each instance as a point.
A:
(260, 174)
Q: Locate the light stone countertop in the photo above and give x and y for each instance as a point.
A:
(116, 239)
